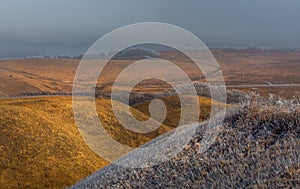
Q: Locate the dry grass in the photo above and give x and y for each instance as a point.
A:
(173, 107)
(40, 145)
(36, 76)
(118, 132)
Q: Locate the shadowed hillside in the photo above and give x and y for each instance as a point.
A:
(174, 109)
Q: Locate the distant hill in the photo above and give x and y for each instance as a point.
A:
(55, 75)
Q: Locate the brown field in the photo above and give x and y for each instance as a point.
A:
(37, 76)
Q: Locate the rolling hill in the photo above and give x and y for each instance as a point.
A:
(40, 145)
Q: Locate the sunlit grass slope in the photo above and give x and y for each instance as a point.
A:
(41, 147)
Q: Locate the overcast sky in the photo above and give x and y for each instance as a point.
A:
(55, 27)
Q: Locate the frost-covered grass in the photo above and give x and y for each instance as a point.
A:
(258, 148)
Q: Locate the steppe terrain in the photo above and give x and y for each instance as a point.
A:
(41, 147)
(242, 69)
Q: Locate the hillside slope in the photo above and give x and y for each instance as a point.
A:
(258, 148)
(40, 145)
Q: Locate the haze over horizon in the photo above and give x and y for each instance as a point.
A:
(57, 27)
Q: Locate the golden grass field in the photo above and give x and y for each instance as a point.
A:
(41, 146)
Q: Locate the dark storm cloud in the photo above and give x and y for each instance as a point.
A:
(35, 27)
